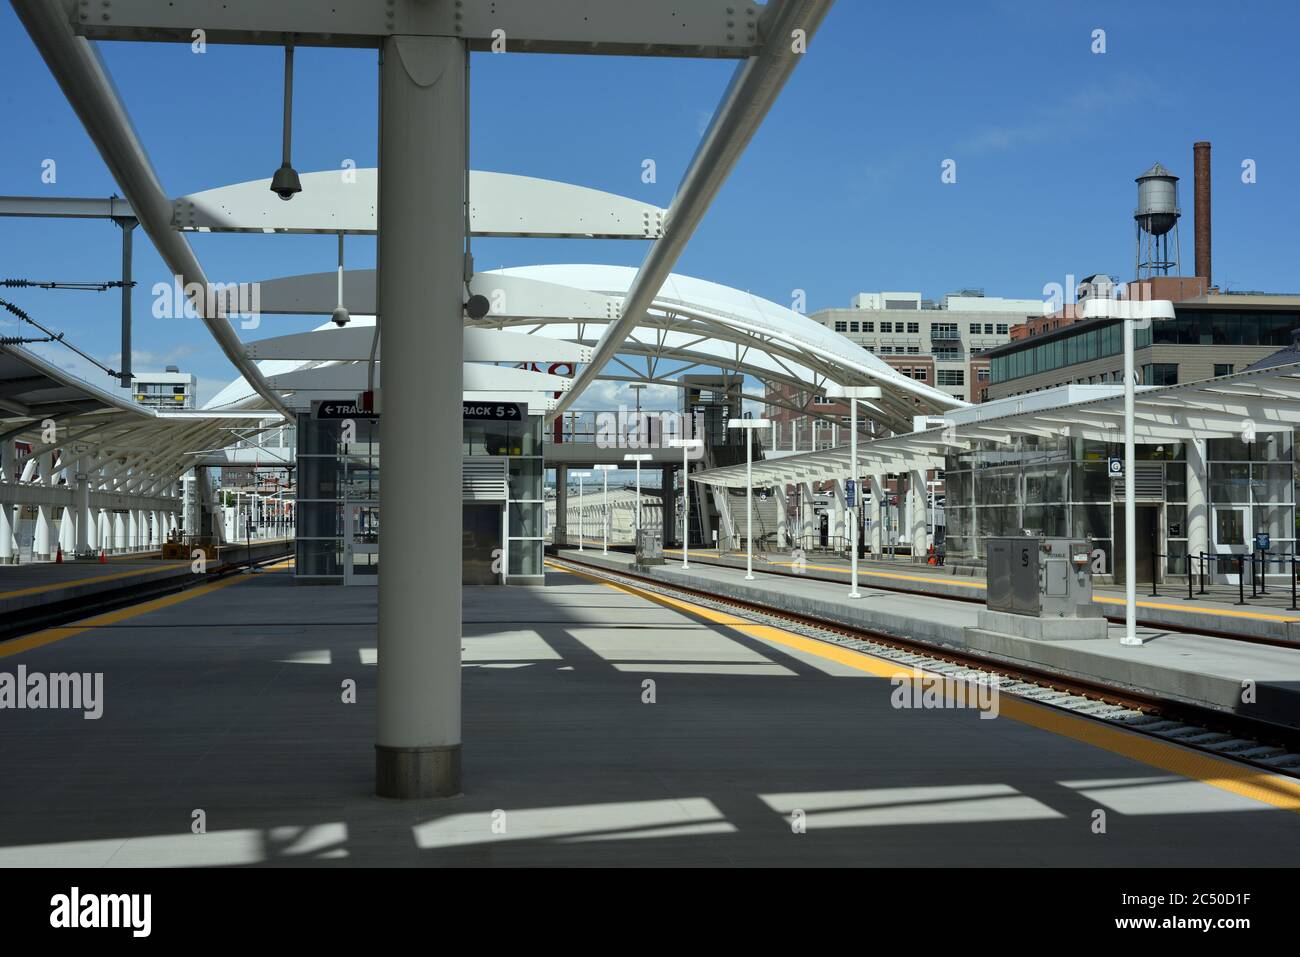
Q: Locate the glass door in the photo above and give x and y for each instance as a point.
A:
(1231, 532)
(361, 543)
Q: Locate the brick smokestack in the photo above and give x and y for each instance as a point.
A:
(1201, 156)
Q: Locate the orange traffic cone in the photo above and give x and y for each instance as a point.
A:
(102, 559)
(58, 556)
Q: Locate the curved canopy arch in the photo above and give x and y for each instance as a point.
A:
(692, 324)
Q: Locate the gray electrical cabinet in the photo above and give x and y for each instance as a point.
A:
(1040, 577)
(649, 547)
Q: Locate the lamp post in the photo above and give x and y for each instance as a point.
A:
(581, 527)
(1129, 311)
(686, 445)
(637, 388)
(638, 458)
(853, 393)
(604, 470)
(749, 425)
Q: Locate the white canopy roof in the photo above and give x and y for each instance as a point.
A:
(692, 324)
(1267, 400)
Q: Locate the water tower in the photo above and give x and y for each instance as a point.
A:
(1156, 217)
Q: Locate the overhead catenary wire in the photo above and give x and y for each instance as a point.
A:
(52, 336)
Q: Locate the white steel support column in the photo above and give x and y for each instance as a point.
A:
(1130, 512)
(917, 496)
(82, 499)
(1198, 505)
(749, 505)
(876, 514)
(6, 510)
(806, 513)
(119, 532)
(856, 478)
(783, 519)
(839, 508)
(41, 541)
(421, 256)
(133, 529)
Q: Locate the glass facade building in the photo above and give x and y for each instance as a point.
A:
(1061, 487)
(339, 483)
(1100, 339)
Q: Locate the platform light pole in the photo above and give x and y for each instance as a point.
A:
(604, 470)
(686, 445)
(581, 527)
(637, 388)
(638, 458)
(853, 393)
(749, 425)
(1130, 312)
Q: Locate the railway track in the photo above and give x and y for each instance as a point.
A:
(17, 624)
(876, 583)
(1263, 745)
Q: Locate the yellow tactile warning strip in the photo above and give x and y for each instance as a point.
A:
(51, 635)
(55, 586)
(1226, 775)
(980, 586)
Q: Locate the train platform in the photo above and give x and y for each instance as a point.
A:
(1266, 615)
(600, 728)
(1207, 671)
(39, 593)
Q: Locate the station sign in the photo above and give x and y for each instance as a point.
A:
(493, 411)
(1262, 541)
(1115, 466)
(850, 493)
(342, 410)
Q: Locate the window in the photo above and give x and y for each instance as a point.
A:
(982, 374)
(1160, 373)
(821, 400)
(1002, 328)
(944, 330)
(886, 327)
(914, 350)
(841, 326)
(1222, 368)
(868, 327)
(988, 328)
(950, 376)
(920, 373)
(886, 350)
(853, 327)
(913, 327)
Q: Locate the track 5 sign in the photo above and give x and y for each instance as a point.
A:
(493, 411)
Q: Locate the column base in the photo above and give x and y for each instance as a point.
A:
(408, 773)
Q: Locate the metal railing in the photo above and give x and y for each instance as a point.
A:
(1227, 563)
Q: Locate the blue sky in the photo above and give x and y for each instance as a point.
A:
(839, 192)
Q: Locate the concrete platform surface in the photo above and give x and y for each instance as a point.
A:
(1198, 669)
(225, 704)
(1266, 615)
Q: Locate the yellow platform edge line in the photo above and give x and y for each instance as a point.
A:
(55, 586)
(981, 586)
(50, 635)
(1239, 779)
